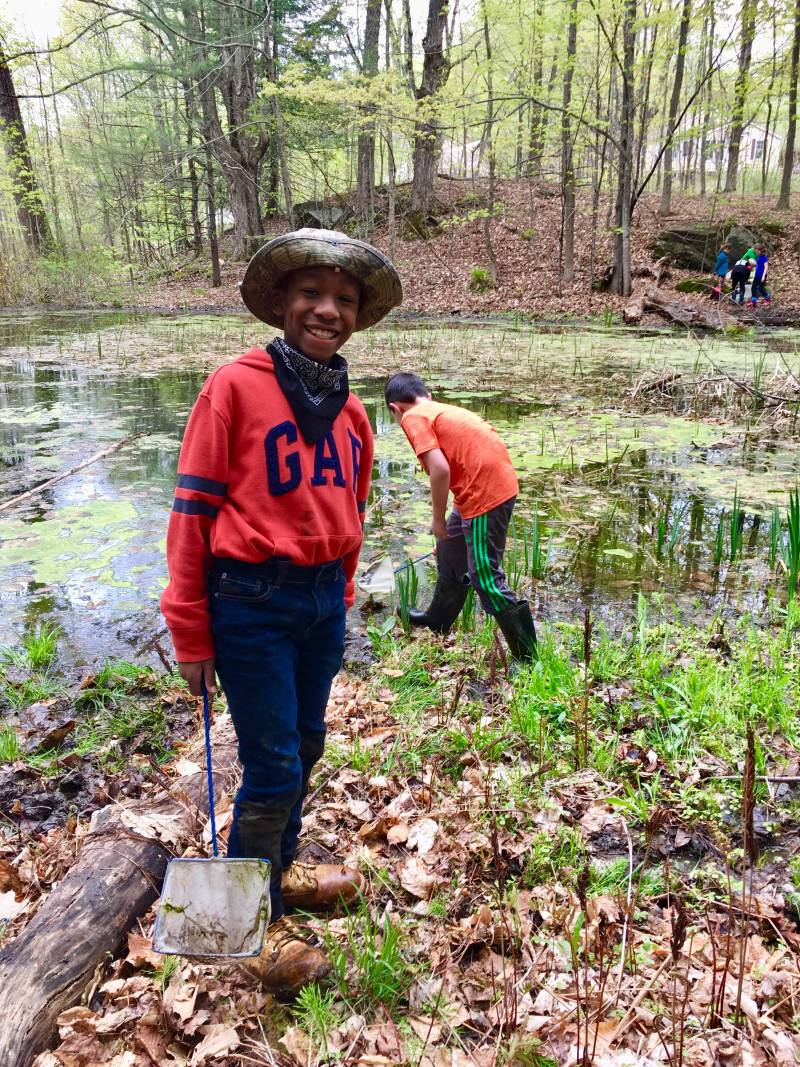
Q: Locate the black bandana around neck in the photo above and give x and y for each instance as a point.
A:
(316, 392)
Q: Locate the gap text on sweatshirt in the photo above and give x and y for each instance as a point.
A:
(251, 488)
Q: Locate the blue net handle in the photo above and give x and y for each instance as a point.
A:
(209, 769)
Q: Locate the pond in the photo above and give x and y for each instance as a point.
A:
(621, 499)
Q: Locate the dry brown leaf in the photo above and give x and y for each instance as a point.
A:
(180, 994)
(398, 834)
(10, 907)
(183, 767)
(10, 881)
(783, 1049)
(140, 951)
(425, 1027)
(297, 1043)
(360, 810)
(423, 835)
(127, 1059)
(153, 1041)
(170, 830)
(416, 879)
(219, 1040)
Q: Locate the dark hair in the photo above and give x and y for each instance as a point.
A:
(761, 248)
(404, 388)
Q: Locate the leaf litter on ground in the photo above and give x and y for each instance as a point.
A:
(519, 908)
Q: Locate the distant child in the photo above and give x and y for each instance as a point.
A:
(740, 275)
(464, 454)
(760, 278)
(262, 548)
(721, 268)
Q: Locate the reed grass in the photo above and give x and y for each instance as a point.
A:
(790, 547)
(407, 590)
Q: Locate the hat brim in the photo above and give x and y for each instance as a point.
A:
(381, 289)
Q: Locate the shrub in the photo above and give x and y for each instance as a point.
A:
(480, 280)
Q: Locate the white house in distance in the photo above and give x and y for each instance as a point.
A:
(754, 145)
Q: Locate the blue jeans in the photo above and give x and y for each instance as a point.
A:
(759, 289)
(279, 640)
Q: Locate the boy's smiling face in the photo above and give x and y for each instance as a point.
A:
(319, 307)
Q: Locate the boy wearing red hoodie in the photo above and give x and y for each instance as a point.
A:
(262, 548)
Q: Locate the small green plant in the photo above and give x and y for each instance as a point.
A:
(736, 525)
(317, 1014)
(537, 555)
(10, 748)
(776, 546)
(466, 619)
(528, 234)
(380, 634)
(719, 540)
(163, 973)
(407, 589)
(37, 650)
(41, 646)
(608, 317)
(791, 547)
(369, 968)
(480, 280)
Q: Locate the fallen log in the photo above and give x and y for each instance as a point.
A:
(685, 312)
(66, 474)
(115, 878)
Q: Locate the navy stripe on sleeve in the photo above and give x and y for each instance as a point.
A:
(202, 485)
(194, 507)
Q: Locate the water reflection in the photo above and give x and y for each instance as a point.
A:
(628, 504)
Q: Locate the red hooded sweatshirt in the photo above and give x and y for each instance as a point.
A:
(250, 487)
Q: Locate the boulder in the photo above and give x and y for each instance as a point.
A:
(319, 215)
(694, 246)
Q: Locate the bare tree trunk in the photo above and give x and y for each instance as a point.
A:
(740, 93)
(621, 278)
(211, 211)
(194, 182)
(51, 174)
(708, 39)
(487, 218)
(535, 137)
(388, 136)
(665, 207)
(435, 69)
(644, 103)
(567, 167)
(770, 87)
(365, 182)
(24, 187)
(788, 148)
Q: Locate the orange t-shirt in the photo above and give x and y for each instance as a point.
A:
(481, 474)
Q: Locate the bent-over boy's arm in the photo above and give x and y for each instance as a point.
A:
(438, 470)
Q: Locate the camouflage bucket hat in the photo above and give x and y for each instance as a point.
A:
(381, 289)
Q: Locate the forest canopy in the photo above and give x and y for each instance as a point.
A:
(140, 133)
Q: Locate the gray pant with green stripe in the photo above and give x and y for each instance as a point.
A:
(475, 547)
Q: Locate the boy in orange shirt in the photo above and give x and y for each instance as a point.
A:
(464, 454)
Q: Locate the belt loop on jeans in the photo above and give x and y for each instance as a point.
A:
(282, 567)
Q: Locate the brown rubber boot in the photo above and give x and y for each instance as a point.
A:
(287, 961)
(319, 885)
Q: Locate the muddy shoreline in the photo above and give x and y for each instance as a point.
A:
(775, 318)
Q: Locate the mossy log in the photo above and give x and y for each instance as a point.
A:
(115, 878)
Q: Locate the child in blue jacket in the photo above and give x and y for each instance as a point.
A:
(721, 268)
(759, 287)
